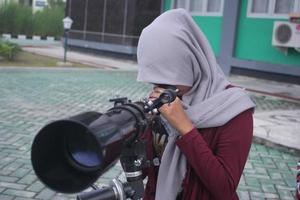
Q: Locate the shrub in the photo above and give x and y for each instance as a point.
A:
(16, 19)
(9, 50)
(19, 19)
(48, 22)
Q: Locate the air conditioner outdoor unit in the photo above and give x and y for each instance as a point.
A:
(286, 34)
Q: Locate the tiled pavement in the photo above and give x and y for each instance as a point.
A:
(29, 98)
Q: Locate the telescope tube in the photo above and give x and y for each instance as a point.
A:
(69, 155)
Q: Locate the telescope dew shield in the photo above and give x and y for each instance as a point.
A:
(69, 155)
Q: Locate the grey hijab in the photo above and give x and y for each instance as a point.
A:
(172, 50)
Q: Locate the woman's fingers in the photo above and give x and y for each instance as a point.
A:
(173, 112)
(176, 116)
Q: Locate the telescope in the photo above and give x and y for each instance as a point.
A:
(69, 155)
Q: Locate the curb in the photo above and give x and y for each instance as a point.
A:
(34, 37)
(286, 97)
(280, 147)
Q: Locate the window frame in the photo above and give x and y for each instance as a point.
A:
(203, 12)
(271, 11)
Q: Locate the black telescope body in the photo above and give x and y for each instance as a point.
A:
(69, 155)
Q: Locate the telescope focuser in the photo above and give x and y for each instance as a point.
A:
(167, 96)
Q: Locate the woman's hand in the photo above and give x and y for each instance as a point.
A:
(174, 113)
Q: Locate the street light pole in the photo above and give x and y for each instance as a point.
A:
(66, 35)
(67, 21)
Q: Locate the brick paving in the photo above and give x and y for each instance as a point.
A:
(267, 103)
(29, 98)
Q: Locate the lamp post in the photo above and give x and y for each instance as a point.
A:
(67, 21)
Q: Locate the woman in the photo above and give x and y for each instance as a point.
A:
(207, 130)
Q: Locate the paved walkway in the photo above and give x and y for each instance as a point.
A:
(291, 91)
(32, 97)
(266, 93)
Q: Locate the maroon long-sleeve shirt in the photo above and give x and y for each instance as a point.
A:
(215, 160)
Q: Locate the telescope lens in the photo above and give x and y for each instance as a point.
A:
(83, 148)
(86, 157)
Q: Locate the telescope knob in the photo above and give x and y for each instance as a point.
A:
(138, 162)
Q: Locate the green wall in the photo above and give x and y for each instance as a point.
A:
(254, 41)
(211, 27)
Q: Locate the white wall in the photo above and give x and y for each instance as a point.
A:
(38, 4)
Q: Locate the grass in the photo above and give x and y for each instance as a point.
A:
(32, 60)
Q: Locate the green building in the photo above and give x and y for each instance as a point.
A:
(241, 33)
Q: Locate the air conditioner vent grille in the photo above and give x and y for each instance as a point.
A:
(283, 33)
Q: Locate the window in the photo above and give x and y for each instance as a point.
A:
(179, 3)
(201, 7)
(284, 6)
(214, 5)
(260, 6)
(272, 8)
